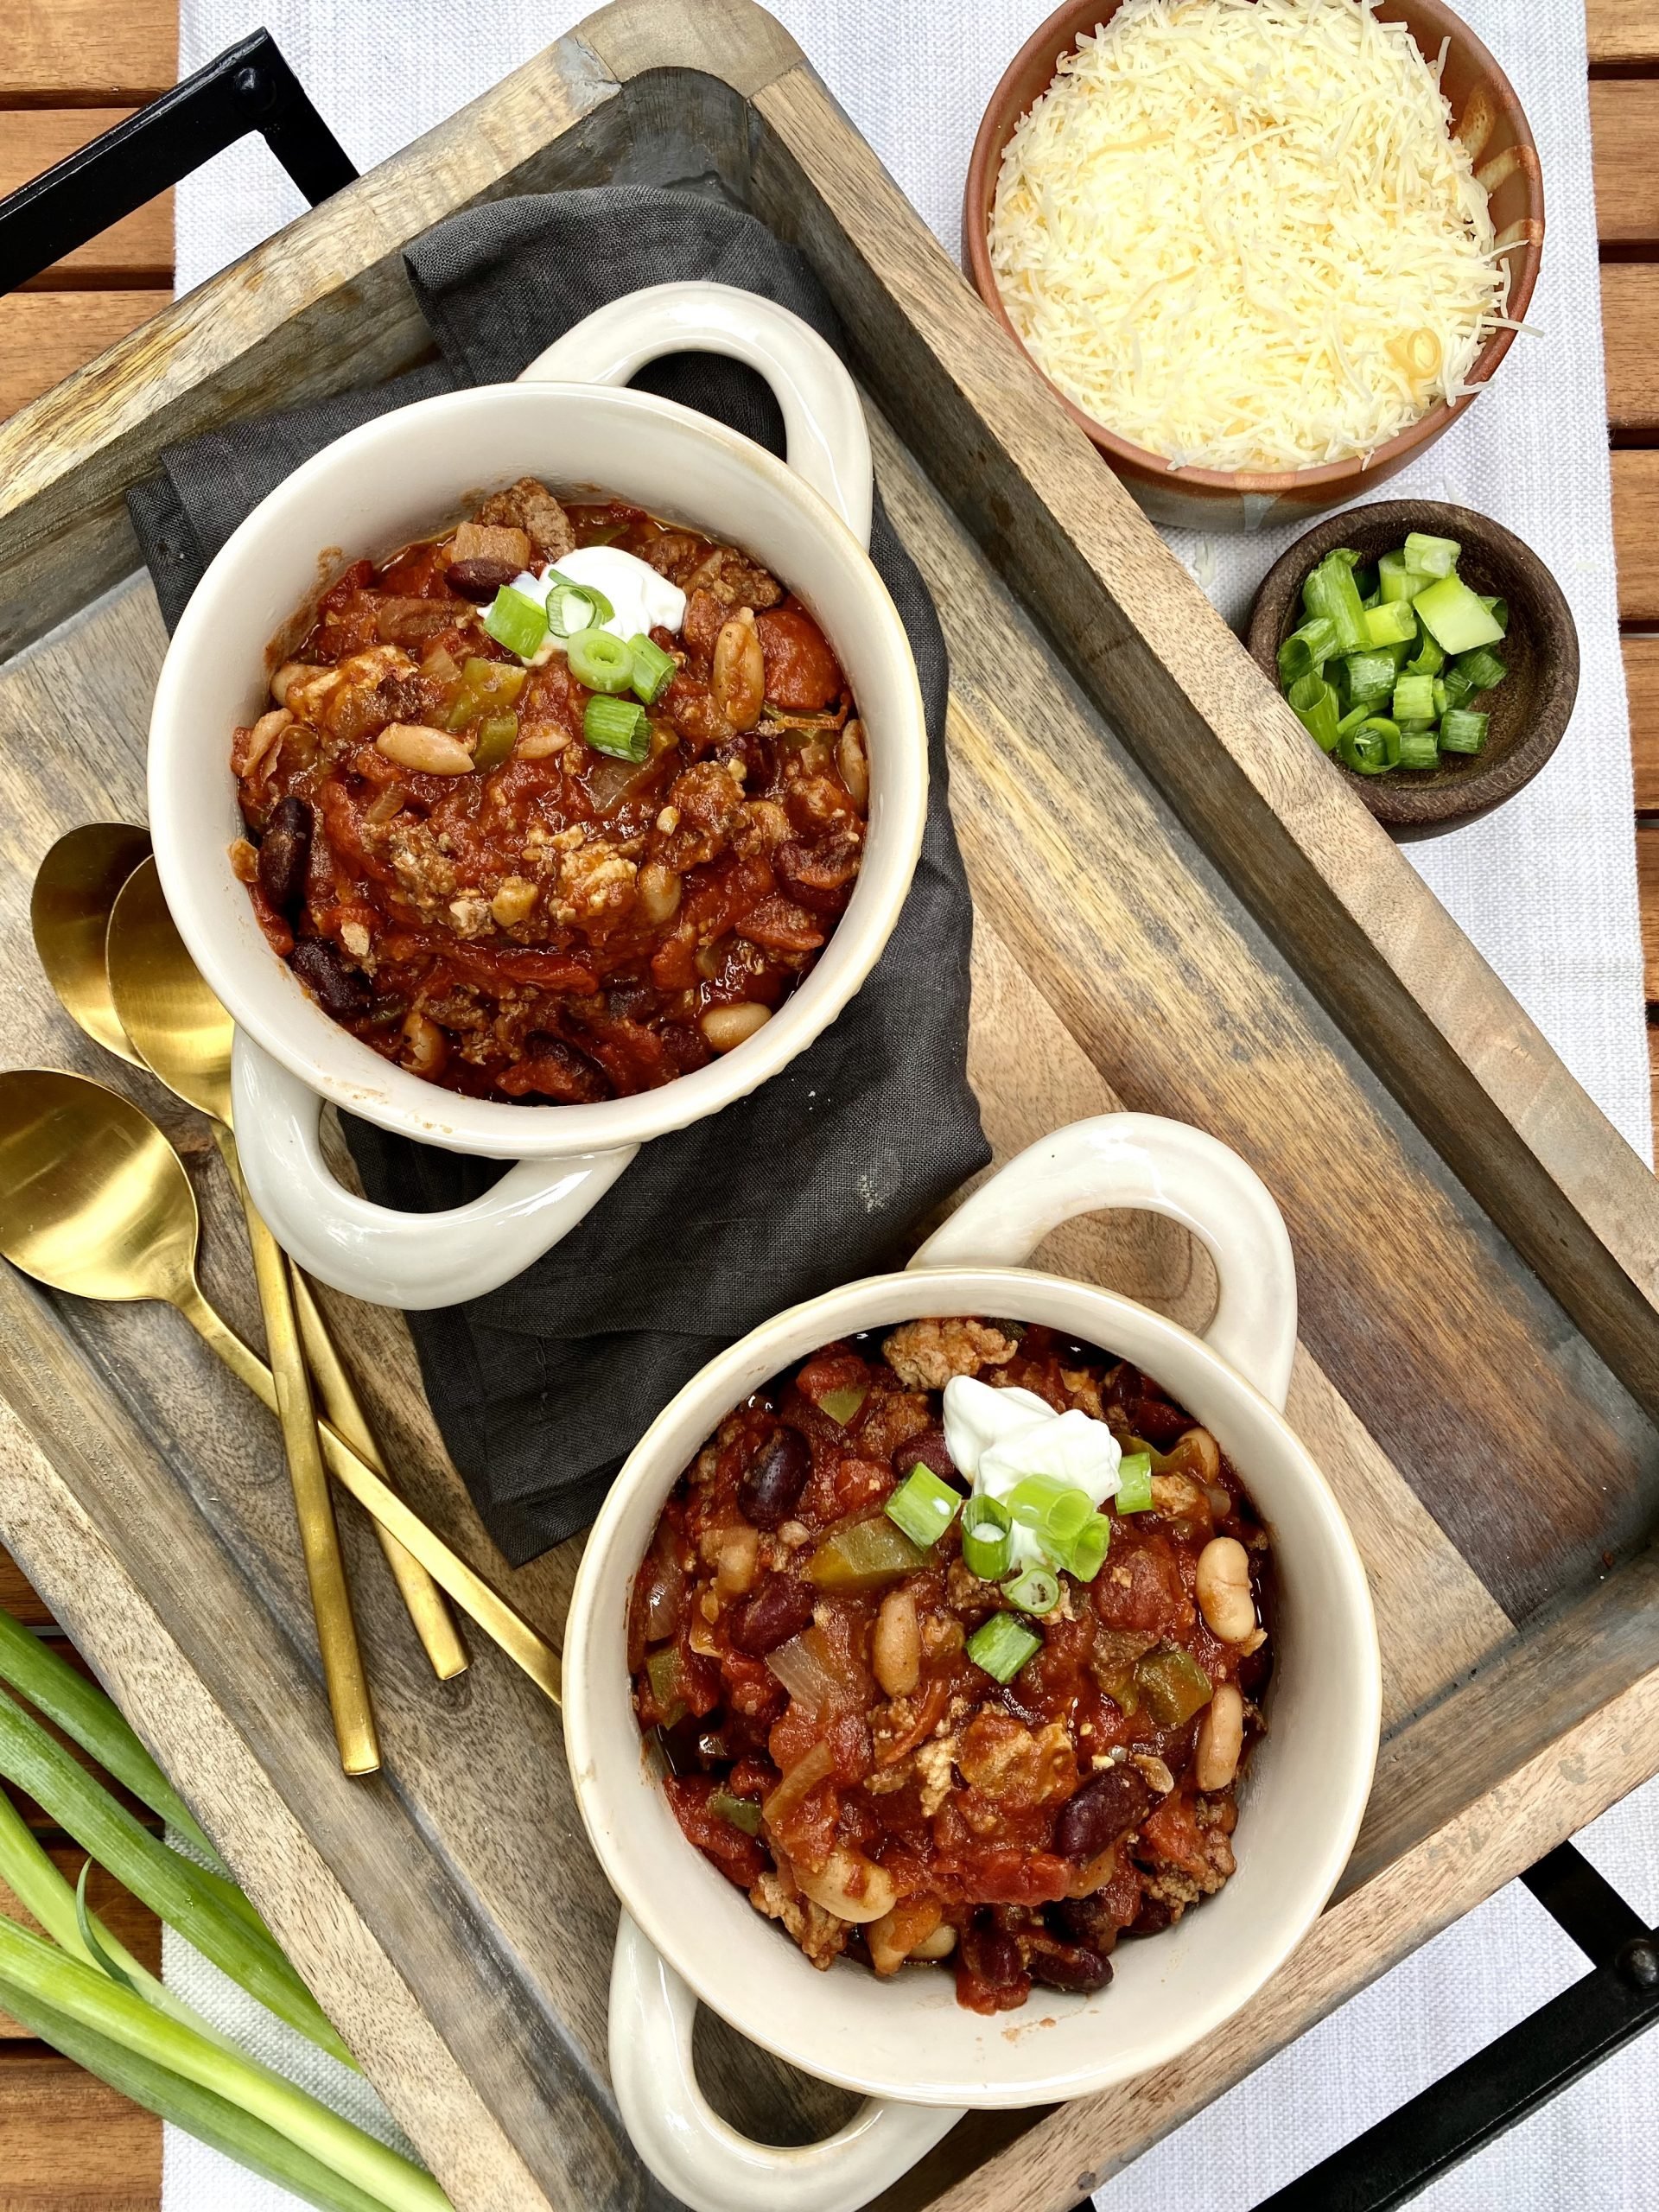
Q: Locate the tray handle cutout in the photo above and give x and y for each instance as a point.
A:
(827, 440)
(700, 2156)
(1153, 1166)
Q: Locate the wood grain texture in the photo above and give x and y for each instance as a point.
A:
(136, 252)
(69, 2144)
(1642, 682)
(1336, 895)
(1622, 34)
(47, 335)
(80, 54)
(1187, 1009)
(1635, 536)
(1630, 322)
(1623, 133)
(1647, 879)
(17, 1597)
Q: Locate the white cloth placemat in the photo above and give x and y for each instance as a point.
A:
(1546, 888)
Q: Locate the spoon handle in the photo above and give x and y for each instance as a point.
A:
(314, 1504)
(500, 1621)
(420, 1594)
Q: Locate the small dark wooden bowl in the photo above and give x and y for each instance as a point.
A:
(1529, 710)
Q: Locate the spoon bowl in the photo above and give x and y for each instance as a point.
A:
(69, 911)
(176, 1025)
(94, 1199)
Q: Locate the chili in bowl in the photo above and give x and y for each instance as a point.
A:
(558, 804)
(527, 949)
(1033, 1912)
(948, 1660)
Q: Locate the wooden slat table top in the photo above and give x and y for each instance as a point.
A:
(68, 68)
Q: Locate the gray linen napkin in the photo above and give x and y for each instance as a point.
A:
(542, 1388)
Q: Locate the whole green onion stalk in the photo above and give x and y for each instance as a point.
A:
(185, 1895)
(117, 2026)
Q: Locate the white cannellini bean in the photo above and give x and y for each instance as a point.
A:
(727, 1027)
(1223, 1589)
(896, 1648)
(431, 752)
(1221, 1738)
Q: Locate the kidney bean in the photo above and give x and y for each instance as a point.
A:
(1153, 1918)
(1114, 1800)
(285, 854)
(1068, 1966)
(772, 1481)
(927, 1450)
(990, 1955)
(335, 985)
(779, 1610)
(1083, 1920)
(480, 580)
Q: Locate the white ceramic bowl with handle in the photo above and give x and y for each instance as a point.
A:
(568, 422)
(687, 1934)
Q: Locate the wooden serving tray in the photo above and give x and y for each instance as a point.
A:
(1179, 908)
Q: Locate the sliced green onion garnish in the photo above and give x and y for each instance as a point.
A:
(1481, 668)
(1066, 1517)
(1434, 556)
(599, 660)
(1342, 602)
(1373, 747)
(1036, 1590)
(1427, 660)
(569, 611)
(1315, 704)
(1462, 730)
(1391, 623)
(1418, 749)
(923, 1506)
(1134, 1483)
(1441, 700)
(987, 1538)
(1003, 1645)
(1414, 699)
(517, 622)
(1498, 609)
(1454, 617)
(1398, 579)
(653, 669)
(602, 609)
(1366, 584)
(1032, 1498)
(1089, 1547)
(1306, 650)
(618, 727)
(1370, 678)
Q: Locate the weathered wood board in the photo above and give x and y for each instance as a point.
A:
(1177, 910)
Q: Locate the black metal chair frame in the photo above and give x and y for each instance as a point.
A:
(251, 88)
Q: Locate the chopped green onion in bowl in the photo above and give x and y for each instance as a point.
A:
(1002, 1645)
(1385, 686)
(923, 1506)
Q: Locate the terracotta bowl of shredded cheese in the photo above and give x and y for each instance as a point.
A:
(1265, 250)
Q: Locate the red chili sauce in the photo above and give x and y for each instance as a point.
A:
(894, 1802)
(532, 918)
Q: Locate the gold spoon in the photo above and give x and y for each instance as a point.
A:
(94, 1201)
(75, 888)
(181, 1033)
(146, 992)
(69, 913)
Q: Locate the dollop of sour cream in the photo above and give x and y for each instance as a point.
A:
(995, 1437)
(643, 600)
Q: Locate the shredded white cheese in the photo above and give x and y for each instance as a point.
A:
(1242, 234)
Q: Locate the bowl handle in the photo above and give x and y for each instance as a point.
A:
(1142, 1161)
(827, 440)
(412, 1260)
(701, 2158)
